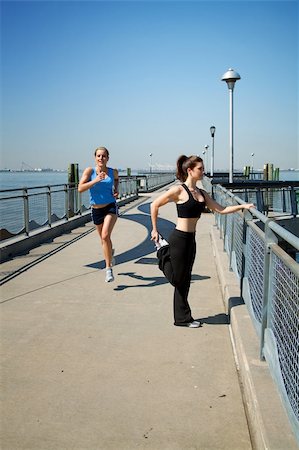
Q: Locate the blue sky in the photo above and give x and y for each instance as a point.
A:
(144, 77)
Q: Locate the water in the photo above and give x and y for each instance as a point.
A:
(12, 220)
(12, 215)
(15, 180)
(289, 175)
(12, 210)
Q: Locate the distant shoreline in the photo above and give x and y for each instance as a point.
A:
(125, 170)
(33, 171)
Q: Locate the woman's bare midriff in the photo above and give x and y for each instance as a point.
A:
(187, 225)
(100, 206)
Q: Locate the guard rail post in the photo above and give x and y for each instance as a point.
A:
(284, 206)
(26, 210)
(49, 205)
(247, 217)
(259, 201)
(80, 203)
(294, 206)
(66, 200)
(232, 241)
(270, 238)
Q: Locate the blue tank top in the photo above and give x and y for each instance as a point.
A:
(102, 193)
(192, 208)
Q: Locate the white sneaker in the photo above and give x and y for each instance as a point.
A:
(193, 324)
(161, 242)
(109, 275)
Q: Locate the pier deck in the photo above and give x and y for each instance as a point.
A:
(88, 365)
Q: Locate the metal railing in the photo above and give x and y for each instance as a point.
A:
(27, 209)
(24, 210)
(268, 196)
(150, 182)
(269, 285)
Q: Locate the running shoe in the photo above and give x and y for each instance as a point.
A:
(193, 324)
(161, 242)
(109, 275)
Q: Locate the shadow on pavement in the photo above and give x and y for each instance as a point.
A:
(141, 251)
(217, 319)
(144, 248)
(152, 281)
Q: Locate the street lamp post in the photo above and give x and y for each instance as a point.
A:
(230, 77)
(207, 159)
(252, 156)
(212, 131)
(150, 155)
(204, 158)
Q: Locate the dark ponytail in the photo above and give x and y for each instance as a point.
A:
(180, 173)
(185, 162)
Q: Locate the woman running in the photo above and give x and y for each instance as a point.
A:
(102, 182)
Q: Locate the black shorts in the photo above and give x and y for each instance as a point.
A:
(98, 214)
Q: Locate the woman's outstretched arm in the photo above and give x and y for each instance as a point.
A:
(214, 206)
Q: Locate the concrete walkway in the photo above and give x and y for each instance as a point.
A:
(88, 365)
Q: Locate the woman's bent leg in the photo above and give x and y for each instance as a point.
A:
(165, 263)
(176, 262)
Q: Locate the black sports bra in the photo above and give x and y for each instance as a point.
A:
(192, 208)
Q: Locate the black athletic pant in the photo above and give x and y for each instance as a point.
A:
(176, 262)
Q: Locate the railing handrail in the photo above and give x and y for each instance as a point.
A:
(36, 187)
(122, 177)
(274, 226)
(264, 260)
(30, 213)
(256, 183)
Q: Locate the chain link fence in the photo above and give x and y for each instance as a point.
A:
(269, 281)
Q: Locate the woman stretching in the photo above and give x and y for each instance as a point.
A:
(102, 182)
(176, 259)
